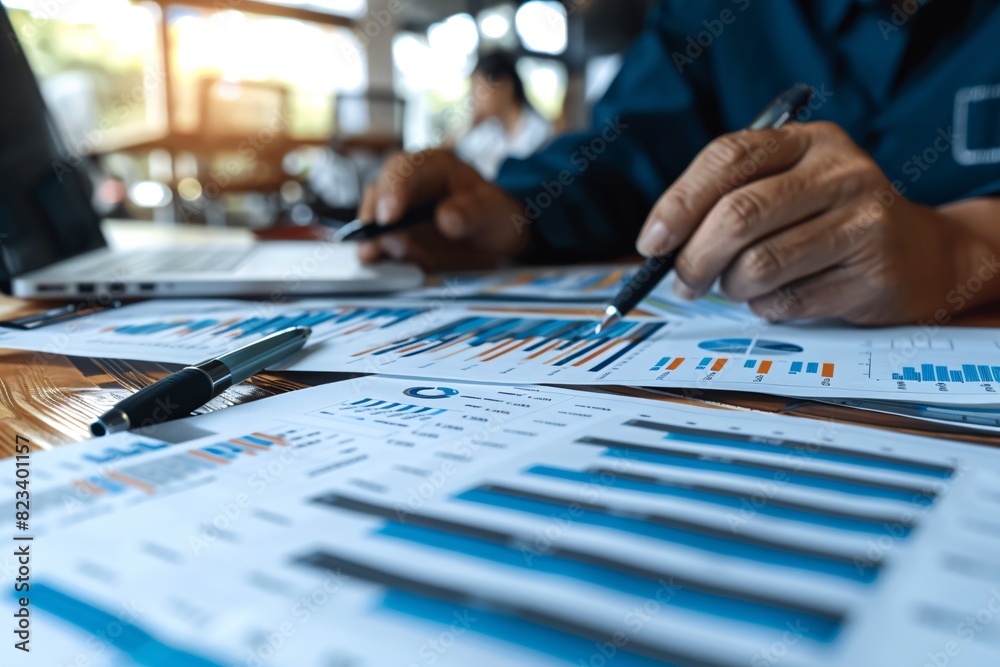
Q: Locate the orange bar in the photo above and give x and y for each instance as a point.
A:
(719, 363)
(828, 370)
(571, 350)
(596, 353)
(764, 367)
(249, 447)
(125, 479)
(520, 343)
(458, 340)
(371, 349)
(412, 347)
(675, 364)
(89, 488)
(542, 350)
(498, 346)
(273, 438)
(210, 457)
(607, 281)
(357, 329)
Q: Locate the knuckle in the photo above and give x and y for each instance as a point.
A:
(726, 151)
(741, 211)
(827, 129)
(850, 180)
(761, 264)
(782, 304)
(688, 269)
(679, 200)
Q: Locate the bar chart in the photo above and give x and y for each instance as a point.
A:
(585, 284)
(549, 342)
(754, 366)
(350, 319)
(637, 483)
(577, 526)
(942, 373)
(188, 331)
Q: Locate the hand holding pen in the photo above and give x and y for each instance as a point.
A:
(656, 234)
(474, 223)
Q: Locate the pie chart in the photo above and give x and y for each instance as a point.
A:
(748, 346)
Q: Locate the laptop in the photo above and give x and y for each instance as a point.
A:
(52, 246)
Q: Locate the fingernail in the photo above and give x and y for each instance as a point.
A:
(449, 222)
(654, 240)
(384, 207)
(393, 247)
(682, 290)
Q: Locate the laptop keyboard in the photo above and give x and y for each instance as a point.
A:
(186, 261)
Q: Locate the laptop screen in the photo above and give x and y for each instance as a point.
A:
(45, 209)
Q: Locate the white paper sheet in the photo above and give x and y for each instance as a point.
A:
(387, 521)
(959, 366)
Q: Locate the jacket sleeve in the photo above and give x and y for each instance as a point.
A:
(587, 194)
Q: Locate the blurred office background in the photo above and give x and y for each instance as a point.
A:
(259, 113)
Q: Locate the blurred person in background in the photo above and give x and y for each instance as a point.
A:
(882, 208)
(504, 123)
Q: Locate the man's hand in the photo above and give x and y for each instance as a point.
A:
(475, 222)
(801, 223)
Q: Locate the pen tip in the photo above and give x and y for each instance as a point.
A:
(610, 317)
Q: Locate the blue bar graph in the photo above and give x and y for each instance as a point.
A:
(749, 363)
(660, 364)
(506, 340)
(508, 628)
(935, 373)
(796, 368)
(687, 598)
(132, 640)
(812, 367)
(191, 329)
(730, 545)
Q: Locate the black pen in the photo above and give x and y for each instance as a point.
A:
(361, 230)
(179, 394)
(781, 109)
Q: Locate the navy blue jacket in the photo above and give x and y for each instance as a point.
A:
(916, 83)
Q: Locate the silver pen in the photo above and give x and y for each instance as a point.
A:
(180, 393)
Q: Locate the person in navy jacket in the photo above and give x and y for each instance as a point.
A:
(878, 206)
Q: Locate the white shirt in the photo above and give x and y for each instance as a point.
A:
(487, 145)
